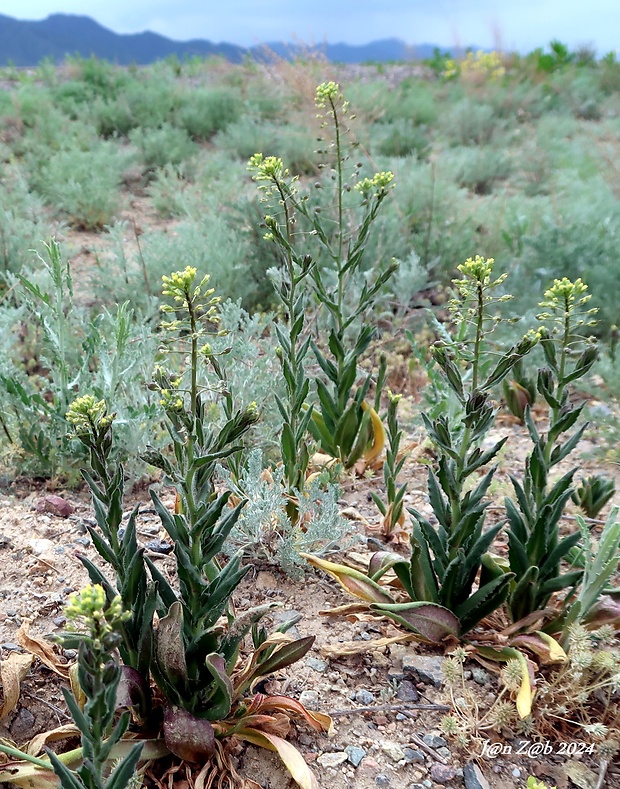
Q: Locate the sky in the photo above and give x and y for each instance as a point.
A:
(510, 24)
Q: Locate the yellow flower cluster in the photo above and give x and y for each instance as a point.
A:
(90, 604)
(325, 92)
(487, 65)
(377, 185)
(86, 413)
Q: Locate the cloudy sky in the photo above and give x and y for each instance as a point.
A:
(522, 25)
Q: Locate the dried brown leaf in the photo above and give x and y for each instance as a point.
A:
(357, 647)
(41, 649)
(12, 672)
(37, 743)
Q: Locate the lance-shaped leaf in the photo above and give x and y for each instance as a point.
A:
(525, 696)
(542, 645)
(352, 581)
(188, 737)
(169, 647)
(292, 758)
(430, 621)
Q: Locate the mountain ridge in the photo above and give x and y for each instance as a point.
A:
(28, 42)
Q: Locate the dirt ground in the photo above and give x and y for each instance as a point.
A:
(373, 700)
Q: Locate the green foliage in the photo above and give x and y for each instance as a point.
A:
(266, 532)
(593, 494)
(166, 144)
(536, 548)
(84, 185)
(60, 349)
(392, 510)
(99, 676)
(446, 560)
(204, 112)
(471, 122)
(596, 604)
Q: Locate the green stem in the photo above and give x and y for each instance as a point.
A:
(340, 190)
(26, 757)
(478, 341)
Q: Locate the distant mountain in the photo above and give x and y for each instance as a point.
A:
(26, 43)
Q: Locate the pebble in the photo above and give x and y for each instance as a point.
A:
(39, 547)
(10, 646)
(413, 756)
(332, 759)
(85, 541)
(56, 505)
(434, 741)
(316, 664)
(286, 616)
(442, 773)
(355, 754)
(5, 542)
(159, 546)
(424, 668)
(407, 691)
(516, 773)
(59, 621)
(473, 777)
(480, 676)
(310, 699)
(22, 726)
(382, 780)
(364, 697)
(393, 750)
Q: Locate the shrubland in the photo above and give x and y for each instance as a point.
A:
(316, 245)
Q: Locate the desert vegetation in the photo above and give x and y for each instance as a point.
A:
(261, 296)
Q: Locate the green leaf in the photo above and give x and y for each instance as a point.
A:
(432, 622)
(483, 602)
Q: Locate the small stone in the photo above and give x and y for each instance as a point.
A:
(580, 774)
(434, 741)
(445, 752)
(480, 676)
(10, 646)
(11, 612)
(332, 759)
(370, 764)
(5, 542)
(316, 664)
(310, 699)
(159, 546)
(424, 668)
(407, 691)
(516, 773)
(382, 780)
(413, 756)
(473, 777)
(364, 697)
(442, 773)
(39, 547)
(355, 754)
(60, 621)
(279, 617)
(22, 726)
(85, 541)
(55, 505)
(393, 750)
